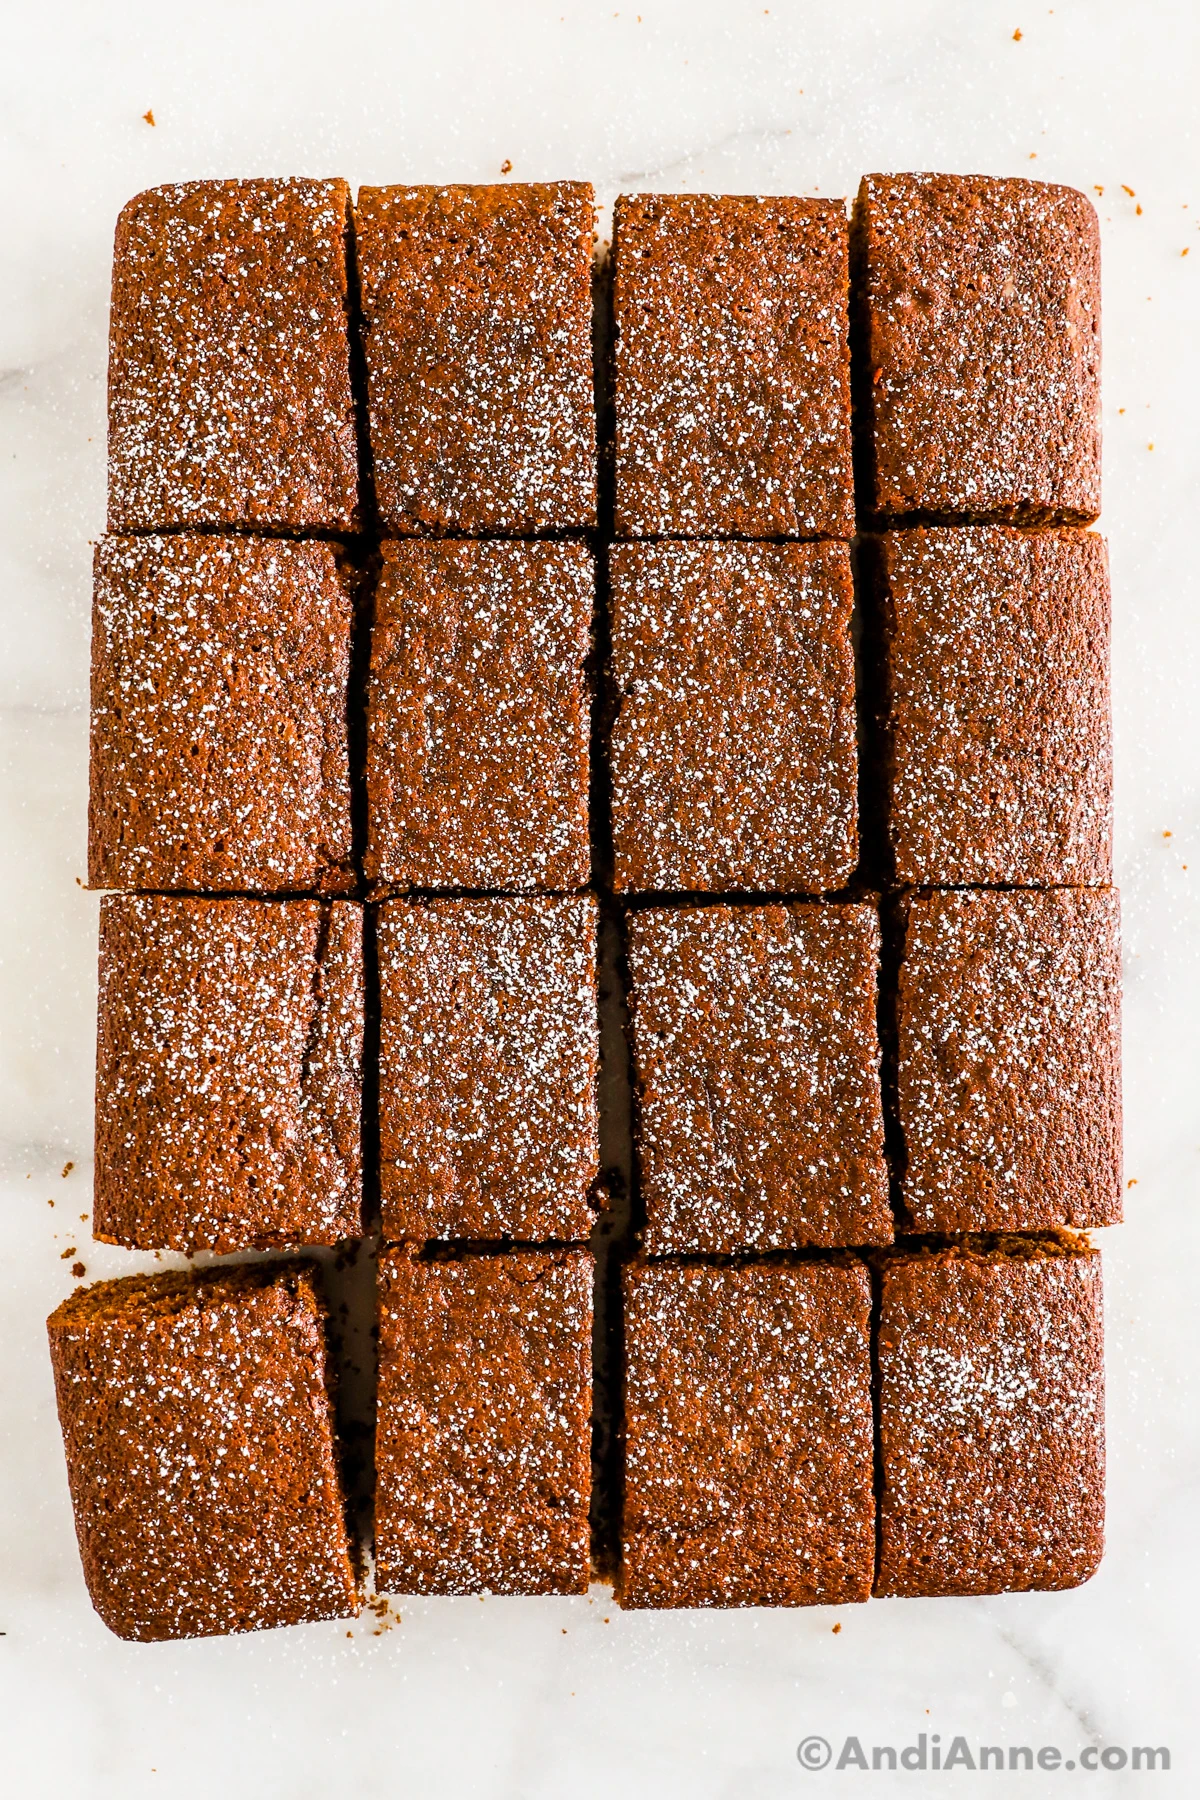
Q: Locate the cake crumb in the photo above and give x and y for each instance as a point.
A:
(78, 1271)
(67, 1167)
(836, 1629)
(148, 115)
(72, 1251)
(1017, 36)
(506, 167)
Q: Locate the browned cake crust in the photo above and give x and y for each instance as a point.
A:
(1009, 1060)
(229, 399)
(198, 1428)
(228, 1073)
(219, 754)
(999, 738)
(980, 309)
(733, 749)
(483, 1447)
(477, 305)
(488, 1058)
(732, 367)
(478, 717)
(748, 1452)
(991, 1369)
(756, 1071)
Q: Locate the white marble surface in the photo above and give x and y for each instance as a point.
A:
(549, 1698)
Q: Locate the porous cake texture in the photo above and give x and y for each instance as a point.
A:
(1008, 1060)
(228, 1073)
(488, 1059)
(478, 717)
(991, 1373)
(483, 1446)
(759, 1122)
(229, 397)
(356, 636)
(477, 326)
(998, 733)
(979, 305)
(197, 1420)
(219, 746)
(731, 367)
(748, 1435)
(733, 750)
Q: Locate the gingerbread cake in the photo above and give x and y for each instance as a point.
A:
(197, 1420)
(477, 326)
(759, 1122)
(1008, 1069)
(478, 717)
(731, 367)
(991, 1399)
(998, 735)
(733, 752)
(228, 1073)
(229, 397)
(219, 743)
(978, 302)
(748, 1435)
(488, 1060)
(483, 1445)
(617, 850)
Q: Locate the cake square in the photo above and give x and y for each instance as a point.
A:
(1009, 1060)
(759, 1117)
(478, 717)
(733, 749)
(197, 1419)
(731, 367)
(998, 733)
(991, 1380)
(228, 1073)
(488, 1061)
(749, 1471)
(483, 1447)
(229, 398)
(979, 303)
(219, 749)
(477, 323)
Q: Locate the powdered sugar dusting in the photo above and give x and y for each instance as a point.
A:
(1009, 1060)
(489, 1051)
(733, 754)
(478, 718)
(992, 1395)
(982, 310)
(229, 1073)
(760, 1121)
(748, 1470)
(1000, 734)
(219, 745)
(478, 332)
(229, 359)
(732, 367)
(200, 1452)
(484, 1441)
